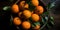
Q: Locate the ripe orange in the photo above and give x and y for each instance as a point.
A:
(27, 13)
(15, 8)
(26, 25)
(40, 9)
(35, 17)
(17, 21)
(26, 6)
(22, 4)
(37, 27)
(35, 2)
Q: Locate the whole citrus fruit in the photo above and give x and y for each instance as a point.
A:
(35, 17)
(22, 4)
(27, 13)
(35, 2)
(26, 25)
(15, 8)
(40, 9)
(17, 21)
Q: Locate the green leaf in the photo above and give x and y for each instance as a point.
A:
(44, 25)
(31, 7)
(11, 20)
(43, 20)
(46, 18)
(6, 8)
(50, 5)
(41, 23)
(33, 25)
(27, 1)
(30, 19)
(48, 26)
(45, 14)
(37, 23)
(52, 19)
(52, 22)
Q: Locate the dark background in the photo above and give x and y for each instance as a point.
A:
(55, 12)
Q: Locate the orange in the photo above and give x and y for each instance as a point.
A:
(27, 13)
(22, 4)
(35, 2)
(37, 27)
(35, 17)
(15, 8)
(26, 6)
(40, 9)
(17, 21)
(26, 25)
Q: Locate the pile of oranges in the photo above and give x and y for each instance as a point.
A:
(22, 14)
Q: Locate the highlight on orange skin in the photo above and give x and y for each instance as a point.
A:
(17, 21)
(27, 13)
(40, 9)
(15, 8)
(26, 25)
(35, 2)
(35, 17)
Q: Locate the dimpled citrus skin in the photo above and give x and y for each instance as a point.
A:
(15, 8)
(27, 13)
(35, 2)
(26, 25)
(40, 9)
(17, 21)
(35, 17)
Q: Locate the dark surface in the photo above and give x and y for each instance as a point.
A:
(55, 13)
